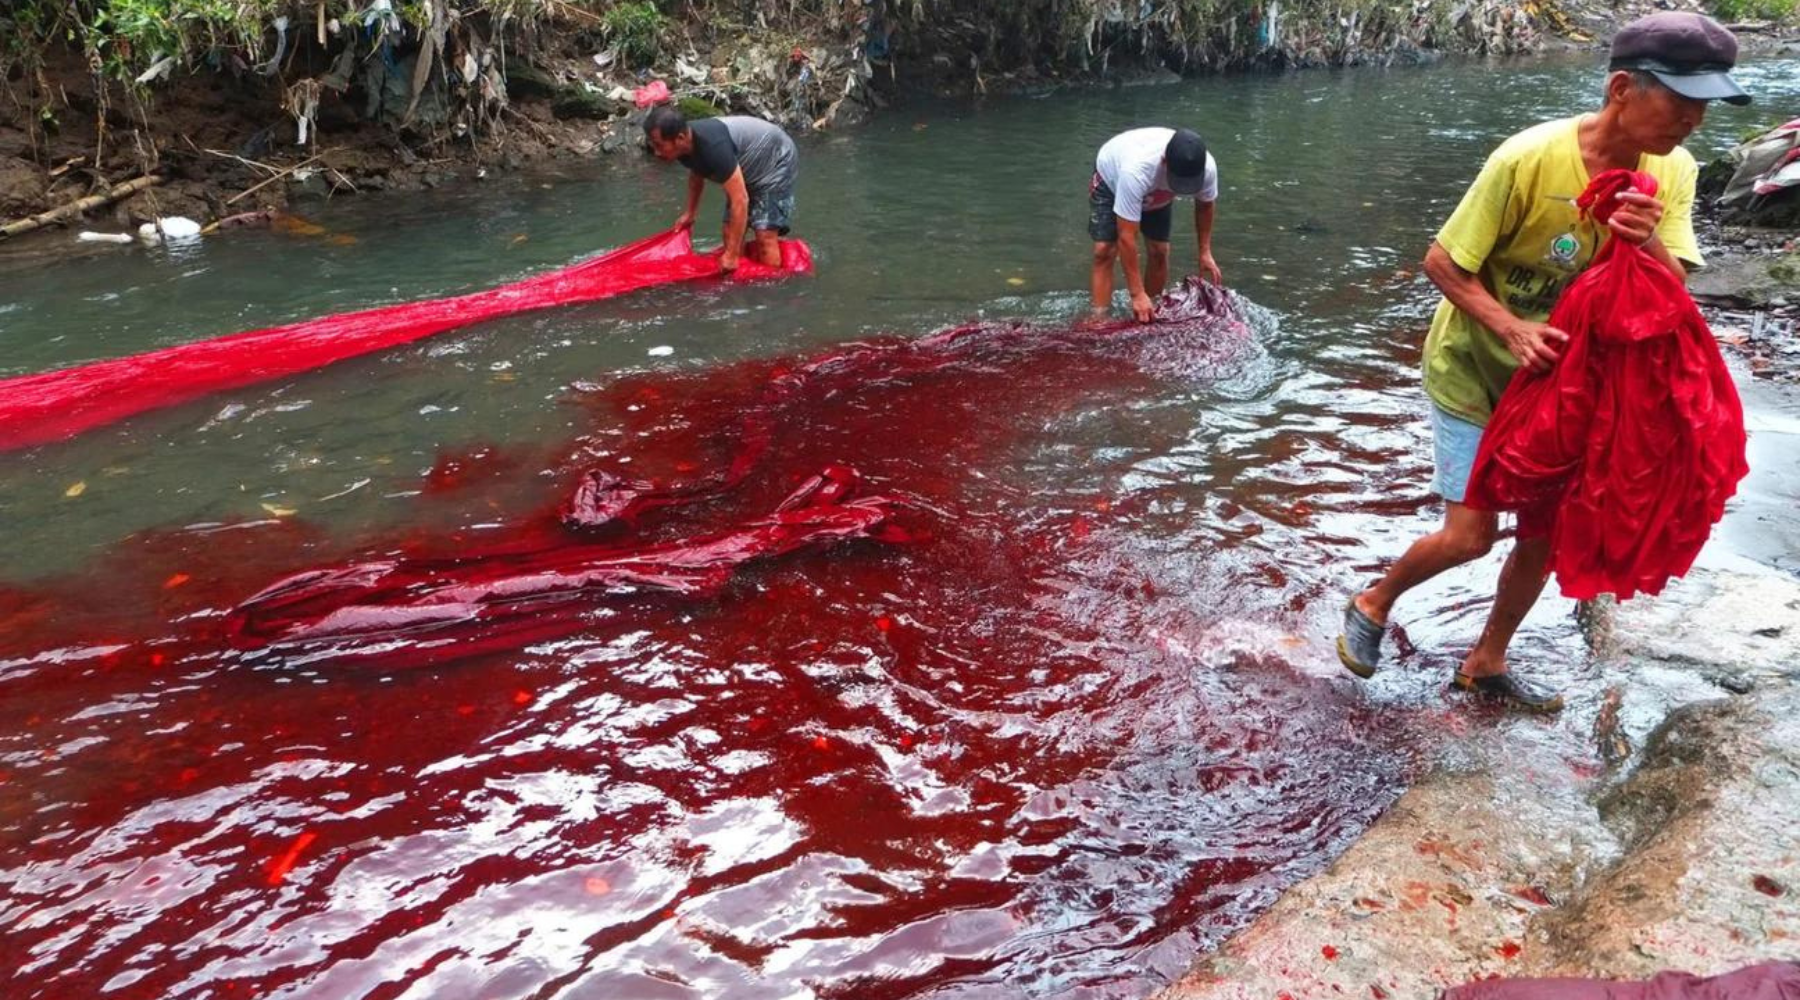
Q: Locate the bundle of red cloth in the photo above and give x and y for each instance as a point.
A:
(1625, 452)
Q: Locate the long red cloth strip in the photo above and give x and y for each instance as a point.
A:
(399, 612)
(1625, 452)
(51, 406)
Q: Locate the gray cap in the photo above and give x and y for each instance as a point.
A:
(1688, 53)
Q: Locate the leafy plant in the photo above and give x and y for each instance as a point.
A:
(1755, 10)
(635, 29)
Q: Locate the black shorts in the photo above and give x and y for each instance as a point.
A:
(1103, 223)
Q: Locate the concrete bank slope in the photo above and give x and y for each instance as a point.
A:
(1661, 831)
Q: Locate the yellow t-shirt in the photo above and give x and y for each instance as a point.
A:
(1518, 229)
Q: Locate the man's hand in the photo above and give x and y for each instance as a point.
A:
(686, 221)
(1536, 345)
(1210, 270)
(728, 261)
(1636, 218)
(1142, 308)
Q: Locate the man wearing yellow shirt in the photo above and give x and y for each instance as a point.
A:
(1512, 245)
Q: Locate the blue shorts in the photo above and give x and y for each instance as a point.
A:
(1454, 444)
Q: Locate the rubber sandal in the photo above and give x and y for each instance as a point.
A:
(1515, 693)
(1359, 646)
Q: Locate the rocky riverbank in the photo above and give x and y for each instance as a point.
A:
(1648, 828)
(1580, 855)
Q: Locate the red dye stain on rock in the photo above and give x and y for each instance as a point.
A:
(1531, 894)
(1768, 886)
(1330, 953)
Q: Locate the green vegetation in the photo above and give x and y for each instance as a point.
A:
(636, 31)
(1755, 10)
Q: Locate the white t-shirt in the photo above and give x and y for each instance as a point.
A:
(1131, 163)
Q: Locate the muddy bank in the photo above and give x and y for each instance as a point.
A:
(348, 109)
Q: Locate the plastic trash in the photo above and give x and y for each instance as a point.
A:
(88, 236)
(650, 94)
(172, 228)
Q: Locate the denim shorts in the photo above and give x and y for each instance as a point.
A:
(769, 209)
(1103, 222)
(1454, 444)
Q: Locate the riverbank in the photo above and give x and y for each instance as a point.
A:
(371, 104)
(1648, 828)
(1521, 855)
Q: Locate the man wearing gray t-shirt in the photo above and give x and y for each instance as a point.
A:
(1137, 176)
(754, 161)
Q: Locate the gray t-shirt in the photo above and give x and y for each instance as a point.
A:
(1131, 163)
(764, 151)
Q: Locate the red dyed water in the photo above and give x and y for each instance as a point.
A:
(1031, 751)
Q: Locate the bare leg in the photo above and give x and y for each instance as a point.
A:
(767, 248)
(1521, 581)
(1102, 286)
(1157, 274)
(1466, 535)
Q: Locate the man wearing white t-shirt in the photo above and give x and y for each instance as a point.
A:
(1137, 177)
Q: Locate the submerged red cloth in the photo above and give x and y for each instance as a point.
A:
(1769, 981)
(400, 612)
(1625, 452)
(50, 406)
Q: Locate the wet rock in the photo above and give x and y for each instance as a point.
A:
(1708, 814)
(1516, 857)
(618, 140)
(1751, 283)
(1721, 626)
(525, 81)
(22, 187)
(586, 104)
(309, 185)
(1442, 890)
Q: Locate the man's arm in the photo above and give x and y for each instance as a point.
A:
(1203, 227)
(1534, 344)
(696, 187)
(737, 197)
(1141, 306)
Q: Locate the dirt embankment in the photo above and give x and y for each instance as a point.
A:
(368, 102)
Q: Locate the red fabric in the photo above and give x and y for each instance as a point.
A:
(402, 613)
(396, 613)
(50, 406)
(1770, 981)
(1625, 452)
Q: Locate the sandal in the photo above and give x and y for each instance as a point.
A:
(1359, 647)
(1515, 693)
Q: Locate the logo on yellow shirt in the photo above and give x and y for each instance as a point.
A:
(1564, 249)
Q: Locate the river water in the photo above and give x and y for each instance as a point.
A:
(1077, 734)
